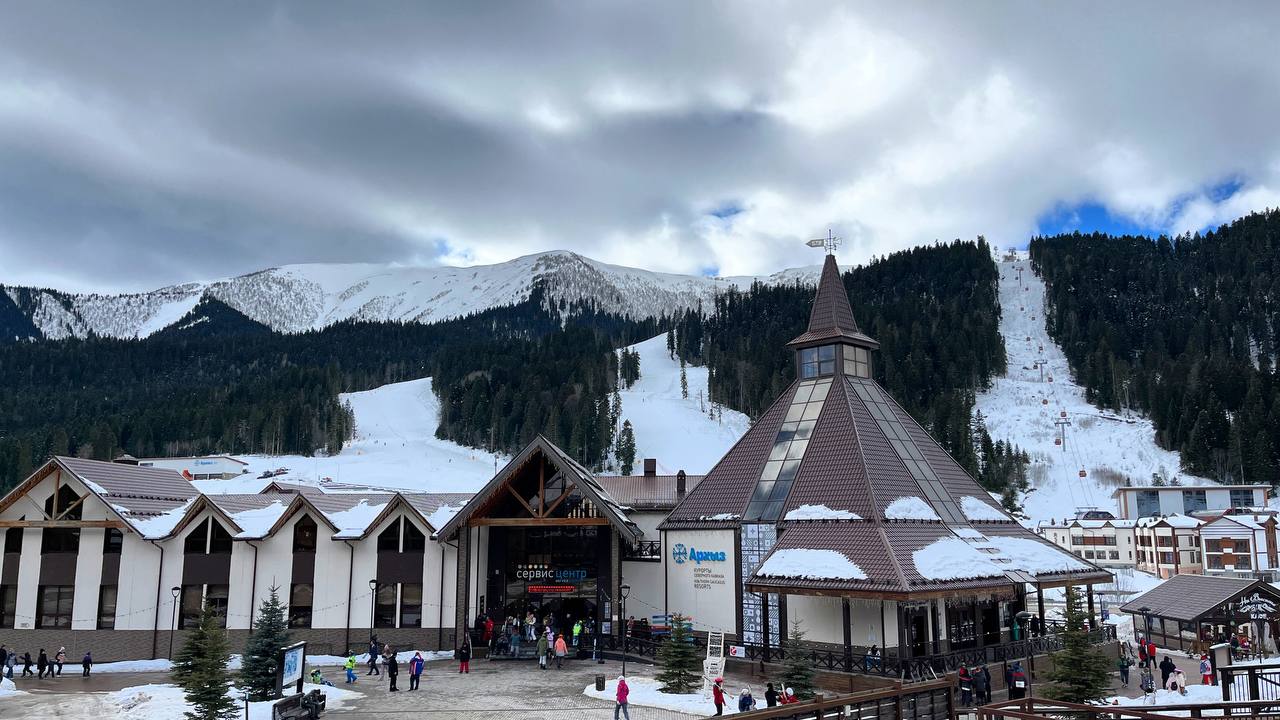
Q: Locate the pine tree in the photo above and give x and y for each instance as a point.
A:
(684, 381)
(200, 669)
(626, 448)
(262, 651)
(1080, 673)
(671, 343)
(797, 670)
(678, 656)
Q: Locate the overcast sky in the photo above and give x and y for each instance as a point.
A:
(144, 144)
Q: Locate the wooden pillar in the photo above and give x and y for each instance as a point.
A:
(1040, 604)
(764, 633)
(1093, 619)
(615, 562)
(848, 635)
(462, 595)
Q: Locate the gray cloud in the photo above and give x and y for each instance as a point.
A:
(149, 143)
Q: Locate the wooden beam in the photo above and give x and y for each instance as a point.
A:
(62, 524)
(532, 522)
(526, 505)
(568, 489)
(71, 507)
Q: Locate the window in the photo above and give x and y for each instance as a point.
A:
(192, 599)
(304, 535)
(1077, 539)
(817, 362)
(8, 605)
(107, 607)
(59, 540)
(112, 542)
(219, 540)
(389, 539)
(1166, 558)
(1212, 545)
(384, 613)
(1113, 554)
(1164, 540)
(1244, 562)
(300, 599)
(1193, 500)
(1088, 554)
(410, 605)
(1148, 503)
(1242, 497)
(789, 446)
(55, 606)
(66, 498)
(215, 597)
(13, 540)
(1214, 562)
(414, 540)
(857, 361)
(197, 541)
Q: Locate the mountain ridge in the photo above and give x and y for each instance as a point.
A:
(311, 296)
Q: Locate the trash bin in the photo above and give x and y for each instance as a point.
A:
(599, 683)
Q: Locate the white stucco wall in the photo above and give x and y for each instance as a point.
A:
(704, 591)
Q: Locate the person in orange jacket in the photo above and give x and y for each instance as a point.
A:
(561, 651)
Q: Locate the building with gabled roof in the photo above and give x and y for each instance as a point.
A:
(838, 508)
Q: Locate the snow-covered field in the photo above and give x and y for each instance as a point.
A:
(395, 446)
(643, 692)
(678, 432)
(166, 702)
(1108, 446)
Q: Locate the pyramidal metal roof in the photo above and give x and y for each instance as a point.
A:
(831, 316)
(872, 485)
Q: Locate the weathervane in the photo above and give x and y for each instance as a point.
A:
(829, 243)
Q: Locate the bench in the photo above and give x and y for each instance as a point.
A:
(303, 706)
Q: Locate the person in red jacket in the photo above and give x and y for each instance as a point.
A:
(1151, 651)
(788, 697)
(717, 695)
(621, 697)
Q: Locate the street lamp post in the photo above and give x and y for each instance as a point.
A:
(1024, 619)
(373, 599)
(173, 624)
(1146, 622)
(622, 617)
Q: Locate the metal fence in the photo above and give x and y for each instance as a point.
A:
(1250, 682)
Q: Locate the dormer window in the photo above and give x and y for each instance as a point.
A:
(857, 361)
(818, 362)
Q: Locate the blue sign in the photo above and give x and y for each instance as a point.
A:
(680, 554)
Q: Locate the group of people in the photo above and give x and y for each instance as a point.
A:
(391, 664)
(513, 633)
(975, 684)
(746, 701)
(46, 666)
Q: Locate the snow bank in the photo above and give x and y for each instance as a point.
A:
(644, 692)
(820, 512)
(1196, 695)
(442, 516)
(953, 559)
(352, 522)
(808, 564)
(977, 510)
(7, 688)
(166, 702)
(910, 508)
(134, 666)
(256, 523)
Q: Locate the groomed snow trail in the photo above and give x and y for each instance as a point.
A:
(1037, 390)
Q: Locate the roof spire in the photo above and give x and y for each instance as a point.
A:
(831, 316)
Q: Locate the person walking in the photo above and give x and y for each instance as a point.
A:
(464, 657)
(42, 663)
(770, 696)
(621, 697)
(59, 659)
(541, 649)
(577, 630)
(1206, 670)
(1147, 683)
(966, 687)
(1178, 682)
(1142, 652)
(26, 664)
(1166, 669)
(415, 670)
(717, 695)
(746, 702)
(489, 637)
(87, 663)
(1017, 682)
(373, 657)
(9, 663)
(981, 685)
(350, 667)
(393, 669)
(1123, 664)
(1151, 652)
(561, 651)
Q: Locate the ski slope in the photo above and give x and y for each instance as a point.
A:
(677, 432)
(1108, 446)
(394, 447)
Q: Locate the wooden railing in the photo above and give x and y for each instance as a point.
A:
(1037, 709)
(934, 700)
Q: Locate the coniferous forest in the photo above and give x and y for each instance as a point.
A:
(1185, 329)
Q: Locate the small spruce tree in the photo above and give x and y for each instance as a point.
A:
(200, 669)
(626, 448)
(1080, 673)
(797, 670)
(684, 381)
(678, 656)
(262, 652)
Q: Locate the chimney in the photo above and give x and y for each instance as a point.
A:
(650, 467)
(680, 487)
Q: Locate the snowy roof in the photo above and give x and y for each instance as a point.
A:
(980, 511)
(1180, 488)
(810, 564)
(1173, 521)
(1188, 597)
(355, 520)
(910, 508)
(819, 512)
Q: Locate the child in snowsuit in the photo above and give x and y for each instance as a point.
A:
(464, 657)
(350, 667)
(1206, 670)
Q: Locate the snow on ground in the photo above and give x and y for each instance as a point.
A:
(8, 688)
(1107, 445)
(166, 702)
(1196, 695)
(676, 431)
(394, 447)
(644, 692)
(145, 666)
